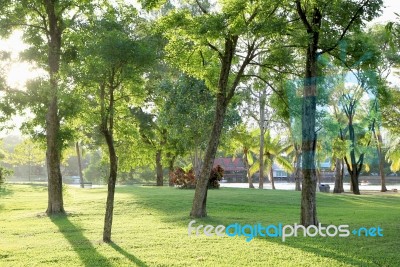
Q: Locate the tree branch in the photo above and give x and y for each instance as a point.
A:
(353, 19)
(205, 12)
(303, 16)
(215, 49)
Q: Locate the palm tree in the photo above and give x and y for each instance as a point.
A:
(244, 142)
(393, 154)
(274, 152)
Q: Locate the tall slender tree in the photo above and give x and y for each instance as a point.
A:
(113, 57)
(324, 24)
(44, 25)
(218, 45)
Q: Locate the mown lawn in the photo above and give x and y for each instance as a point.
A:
(151, 229)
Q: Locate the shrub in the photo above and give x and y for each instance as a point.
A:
(183, 179)
(217, 173)
(187, 179)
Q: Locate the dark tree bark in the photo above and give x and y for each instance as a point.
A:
(200, 197)
(298, 172)
(354, 167)
(311, 19)
(338, 176)
(226, 90)
(53, 140)
(271, 178)
(262, 99)
(107, 129)
(108, 219)
(247, 166)
(78, 153)
(159, 168)
(378, 137)
(309, 137)
(171, 163)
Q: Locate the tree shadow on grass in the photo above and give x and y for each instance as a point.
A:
(81, 245)
(325, 249)
(127, 255)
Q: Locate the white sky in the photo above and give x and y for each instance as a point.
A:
(19, 72)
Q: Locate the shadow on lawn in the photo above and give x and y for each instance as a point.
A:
(127, 255)
(81, 245)
(327, 251)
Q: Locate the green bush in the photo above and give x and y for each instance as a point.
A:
(3, 174)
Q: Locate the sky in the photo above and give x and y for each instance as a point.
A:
(19, 72)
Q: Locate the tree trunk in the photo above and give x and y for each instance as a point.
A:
(338, 177)
(309, 137)
(247, 166)
(354, 167)
(159, 168)
(319, 175)
(171, 169)
(271, 178)
(53, 140)
(262, 137)
(78, 153)
(200, 196)
(298, 173)
(197, 163)
(108, 219)
(354, 170)
(354, 183)
(107, 128)
(379, 142)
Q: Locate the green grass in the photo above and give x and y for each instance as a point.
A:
(150, 229)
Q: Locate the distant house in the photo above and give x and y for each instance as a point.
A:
(279, 172)
(235, 171)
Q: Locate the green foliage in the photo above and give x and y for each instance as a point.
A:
(275, 151)
(393, 153)
(97, 171)
(4, 173)
(28, 152)
(32, 18)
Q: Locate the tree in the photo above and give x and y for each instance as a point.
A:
(320, 38)
(187, 112)
(393, 153)
(153, 135)
(274, 152)
(27, 153)
(243, 142)
(78, 154)
(45, 24)
(3, 171)
(113, 58)
(369, 63)
(217, 46)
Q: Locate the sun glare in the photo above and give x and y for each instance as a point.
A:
(15, 71)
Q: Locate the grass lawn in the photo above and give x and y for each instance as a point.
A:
(151, 229)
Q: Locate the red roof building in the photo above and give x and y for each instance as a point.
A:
(234, 169)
